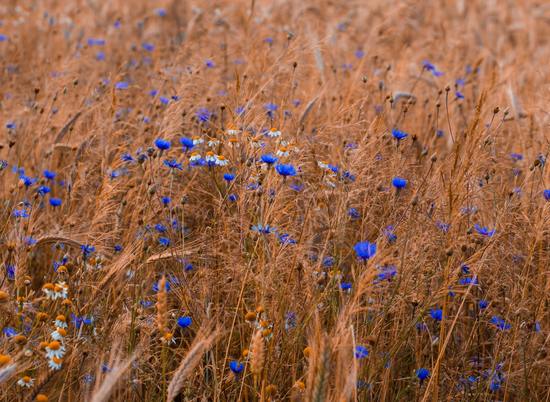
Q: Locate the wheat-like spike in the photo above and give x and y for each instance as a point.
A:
(7, 372)
(161, 305)
(103, 392)
(189, 362)
(320, 387)
(257, 352)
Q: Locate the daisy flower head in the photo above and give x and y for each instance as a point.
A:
(273, 133)
(55, 363)
(233, 142)
(232, 130)
(283, 151)
(60, 321)
(221, 161)
(59, 334)
(211, 157)
(168, 338)
(195, 156)
(60, 290)
(213, 143)
(48, 289)
(55, 350)
(197, 140)
(26, 382)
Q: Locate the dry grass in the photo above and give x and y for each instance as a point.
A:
(292, 312)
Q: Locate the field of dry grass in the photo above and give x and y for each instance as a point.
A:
(274, 200)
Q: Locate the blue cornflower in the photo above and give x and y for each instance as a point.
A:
(27, 181)
(436, 314)
(42, 190)
(236, 367)
(161, 12)
(10, 125)
(100, 56)
(439, 133)
(500, 323)
(164, 241)
(164, 100)
(286, 239)
(346, 286)
(269, 159)
(10, 272)
(87, 250)
(162, 144)
(165, 200)
(228, 177)
(9, 331)
(399, 182)
(546, 194)
(422, 373)
(353, 213)
(149, 47)
(55, 202)
(495, 383)
(118, 248)
(460, 82)
(328, 261)
(361, 352)
(387, 272)
(173, 164)
(459, 95)
(285, 170)
(232, 197)
(126, 157)
(185, 321)
(209, 64)
(20, 213)
(484, 231)
(49, 174)
(3, 38)
(398, 134)
(270, 107)
(203, 114)
(96, 42)
(187, 143)
(365, 250)
(259, 228)
(516, 157)
(390, 235)
(159, 227)
(431, 67)
(444, 227)
(121, 85)
(359, 53)
(483, 304)
(467, 280)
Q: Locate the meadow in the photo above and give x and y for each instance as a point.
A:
(274, 200)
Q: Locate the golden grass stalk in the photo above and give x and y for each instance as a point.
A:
(200, 346)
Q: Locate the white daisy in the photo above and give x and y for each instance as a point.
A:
(55, 363)
(25, 381)
(195, 156)
(221, 161)
(274, 133)
(55, 350)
